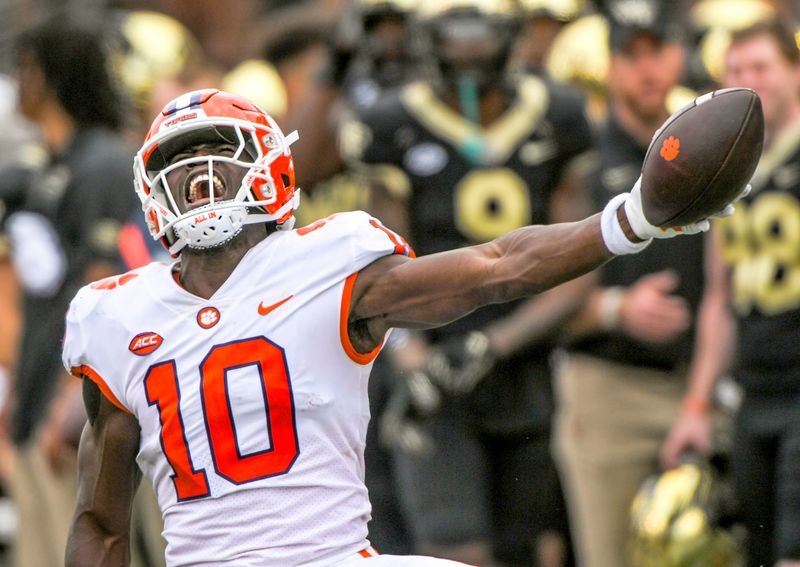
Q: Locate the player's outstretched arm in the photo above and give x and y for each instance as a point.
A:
(434, 290)
(108, 477)
(437, 289)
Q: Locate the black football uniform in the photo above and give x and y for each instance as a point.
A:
(467, 185)
(463, 185)
(349, 190)
(761, 247)
(619, 166)
(71, 211)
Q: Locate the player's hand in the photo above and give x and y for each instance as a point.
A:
(413, 399)
(690, 432)
(645, 230)
(460, 363)
(651, 312)
(62, 430)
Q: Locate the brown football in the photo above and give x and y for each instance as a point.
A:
(702, 157)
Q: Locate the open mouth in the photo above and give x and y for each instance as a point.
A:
(199, 188)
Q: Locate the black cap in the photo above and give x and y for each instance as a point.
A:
(630, 18)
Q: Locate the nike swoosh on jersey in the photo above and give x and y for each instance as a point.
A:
(270, 308)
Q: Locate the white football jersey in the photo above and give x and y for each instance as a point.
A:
(252, 404)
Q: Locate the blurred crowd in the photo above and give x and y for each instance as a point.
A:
(647, 414)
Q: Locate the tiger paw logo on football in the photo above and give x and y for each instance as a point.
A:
(671, 148)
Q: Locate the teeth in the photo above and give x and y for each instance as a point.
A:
(194, 185)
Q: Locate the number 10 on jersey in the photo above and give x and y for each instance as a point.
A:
(163, 391)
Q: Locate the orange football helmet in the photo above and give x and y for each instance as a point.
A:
(267, 192)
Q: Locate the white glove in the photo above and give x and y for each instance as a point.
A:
(618, 243)
(644, 230)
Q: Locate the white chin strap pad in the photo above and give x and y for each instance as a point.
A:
(208, 227)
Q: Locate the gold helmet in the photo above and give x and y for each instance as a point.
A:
(730, 15)
(258, 81)
(154, 46)
(718, 19)
(674, 519)
(580, 53)
(561, 10)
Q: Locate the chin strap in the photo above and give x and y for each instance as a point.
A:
(177, 247)
(291, 138)
(288, 207)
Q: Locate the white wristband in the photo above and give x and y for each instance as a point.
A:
(613, 235)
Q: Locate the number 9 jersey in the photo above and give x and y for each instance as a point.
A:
(252, 404)
(761, 248)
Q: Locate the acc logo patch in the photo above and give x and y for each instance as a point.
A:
(208, 317)
(145, 343)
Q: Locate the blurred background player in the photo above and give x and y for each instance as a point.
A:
(467, 154)
(543, 20)
(760, 248)
(621, 383)
(365, 56)
(55, 251)
(18, 152)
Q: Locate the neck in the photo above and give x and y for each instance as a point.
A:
(640, 127)
(491, 106)
(202, 272)
(57, 126)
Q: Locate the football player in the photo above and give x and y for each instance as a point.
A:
(544, 20)
(368, 55)
(621, 378)
(64, 232)
(760, 249)
(463, 157)
(235, 377)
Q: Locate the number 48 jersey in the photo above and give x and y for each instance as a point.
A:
(252, 404)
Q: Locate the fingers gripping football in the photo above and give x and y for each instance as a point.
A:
(645, 230)
(618, 243)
